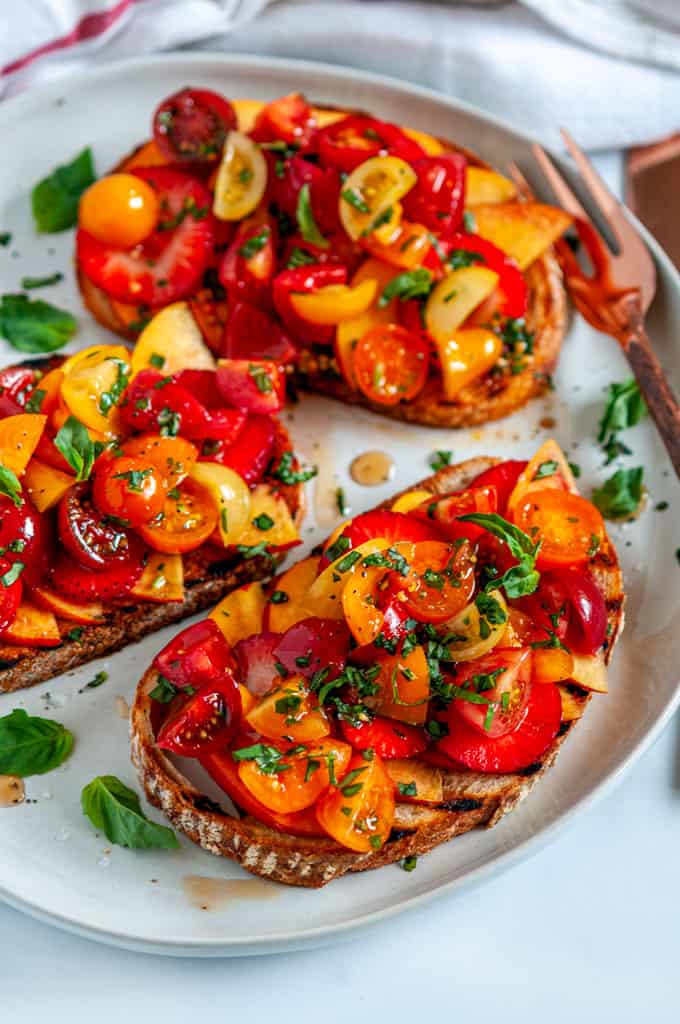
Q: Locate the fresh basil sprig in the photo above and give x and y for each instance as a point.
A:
(30, 745)
(31, 325)
(520, 579)
(115, 810)
(411, 284)
(76, 445)
(9, 485)
(620, 495)
(54, 200)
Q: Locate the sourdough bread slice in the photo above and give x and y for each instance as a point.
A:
(469, 798)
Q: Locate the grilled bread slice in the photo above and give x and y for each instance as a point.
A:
(468, 798)
(206, 581)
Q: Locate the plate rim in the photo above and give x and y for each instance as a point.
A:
(324, 934)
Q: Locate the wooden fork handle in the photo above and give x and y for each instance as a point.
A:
(661, 402)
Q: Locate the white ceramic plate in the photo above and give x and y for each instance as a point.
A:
(51, 862)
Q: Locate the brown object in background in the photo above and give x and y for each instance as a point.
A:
(653, 191)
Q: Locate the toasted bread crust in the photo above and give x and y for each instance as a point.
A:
(470, 798)
(206, 582)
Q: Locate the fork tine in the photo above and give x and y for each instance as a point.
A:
(523, 187)
(605, 199)
(563, 193)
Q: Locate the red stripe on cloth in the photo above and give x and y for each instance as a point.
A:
(87, 28)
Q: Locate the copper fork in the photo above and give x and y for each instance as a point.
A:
(615, 297)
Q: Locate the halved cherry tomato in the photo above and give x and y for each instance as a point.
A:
(116, 580)
(438, 198)
(189, 517)
(390, 364)
(288, 178)
(368, 792)
(10, 594)
(94, 542)
(314, 644)
(511, 281)
(288, 119)
(388, 738)
(503, 478)
(241, 179)
(290, 711)
(251, 333)
(547, 607)
(192, 124)
(295, 776)
(369, 201)
(249, 264)
(26, 537)
(570, 605)
(445, 512)
(335, 304)
(495, 691)
(119, 210)
(207, 720)
(440, 580)
(406, 246)
(252, 385)
(128, 488)
(173, 457)
(392, 526)
(516, 750)
(210, 313)
(222, 768)
(153, 402)
(349, 142)
(253, 452)
(169, 264)
(569, 527)
(16, 384)
(404, 686)
(198, 656)
(304, 280)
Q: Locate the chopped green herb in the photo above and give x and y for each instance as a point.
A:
(355, 200)
(27, 283)
(75, 444)
(75, 634)
(10, 486)
(620, 496)
(299, 258)
(341, 502)
(263, 521)
(407, 788)
(411, 284)
(157, 361)
(99, 679)
(469, 222)
(12, 575)
(458, 258)
(134, 478)
(260, 374)
(255, 243)
(268, 759)
(287, 475)
(625, 407)
(520, 579)
(409, 863)
(305, 218)
(35, 400)
(548, 468)
(441, 459)
(54, 200)
(279, 597)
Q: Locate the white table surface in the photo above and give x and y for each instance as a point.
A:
(586, 930)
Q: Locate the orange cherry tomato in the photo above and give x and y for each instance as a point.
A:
(290, 711)
(173, 457)
(390, 364)
(569, 527)
(189, 517)
(407, 247)
(292, 778)
(404, 682)
(128, 488)
(359, 603)
(440, 580)
(358, 813)
(120, 209)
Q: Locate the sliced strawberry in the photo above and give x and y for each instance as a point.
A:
(117, 580)
(388, 738)
(252, 453)
(169, 264)
(251, 333)
(257, 662)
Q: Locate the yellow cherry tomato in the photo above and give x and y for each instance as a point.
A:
(466, 356)
(120, 209)
(241, 178)
(335, 303)
(454, 298)
(484, 186)
(370, 191)
(290, 711)
(171, 342)
(93, 383)
(230, 494)
(349, 332)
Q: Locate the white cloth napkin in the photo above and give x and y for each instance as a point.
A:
(503, 58)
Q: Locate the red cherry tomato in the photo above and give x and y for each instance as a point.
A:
(198, 656)
(569, 528)
(192, 124)
(129, 488)
(169, 264)
(570, 605)
(249, 264)
(497, 688)
(16, 384)
(305, 279)
(503, 478)
(341, 249)
(314, 644)
(548, 607)
(445, 512)
(387, 737)
(287, 119)
(95, 543)
(257, 663)
(252, 453)
(391, 364)
(252, 385)
(10, 595)
(438, 197)
(207, 720)
(83, 585)
(514, 751)
(160, 404)
(511, 282)
(324, 190)
(25, 536)
(251, 333)
(347, 143)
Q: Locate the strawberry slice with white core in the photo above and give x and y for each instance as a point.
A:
(169, 264)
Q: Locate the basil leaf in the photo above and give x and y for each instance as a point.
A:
(620, 495)
(34, 325)
(75, 444)
(411, 284)
(31, 745)
(54, 200)
(10, 486)
(305, 218)
(116, 811)
(521, 579)
(625, 407)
